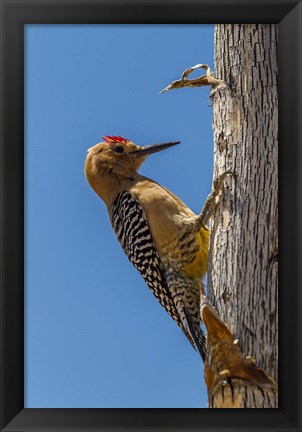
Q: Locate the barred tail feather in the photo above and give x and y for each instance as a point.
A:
(197, 335)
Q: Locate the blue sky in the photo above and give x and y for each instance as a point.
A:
(95, 336)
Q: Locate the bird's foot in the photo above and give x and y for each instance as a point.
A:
(210, 204)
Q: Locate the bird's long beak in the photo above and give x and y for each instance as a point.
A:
(153, 148)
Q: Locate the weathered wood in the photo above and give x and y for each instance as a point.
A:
(233, 381)
(243, 267)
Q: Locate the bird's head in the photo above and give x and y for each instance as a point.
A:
(117, 157)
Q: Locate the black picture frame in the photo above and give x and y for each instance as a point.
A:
(14, 15)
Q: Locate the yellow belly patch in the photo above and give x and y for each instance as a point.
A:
(198, 267)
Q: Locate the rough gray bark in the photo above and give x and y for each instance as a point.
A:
(243, 267)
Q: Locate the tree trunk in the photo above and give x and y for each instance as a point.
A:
(243, 267)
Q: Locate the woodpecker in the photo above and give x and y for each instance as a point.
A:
(161, 236)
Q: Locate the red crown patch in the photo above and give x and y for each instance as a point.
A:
(115, 139)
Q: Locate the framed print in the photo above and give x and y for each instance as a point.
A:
(55, 57)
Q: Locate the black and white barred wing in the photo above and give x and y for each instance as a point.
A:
(131, 228)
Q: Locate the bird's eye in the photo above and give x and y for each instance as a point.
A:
(118, 149)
